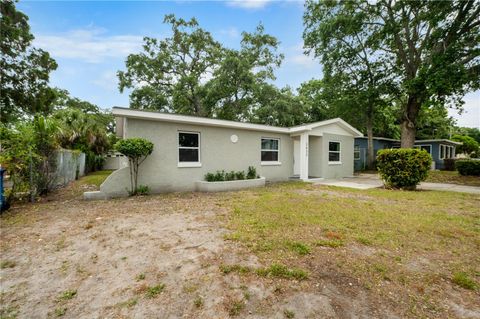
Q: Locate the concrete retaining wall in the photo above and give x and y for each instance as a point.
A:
(203, 186)
(115, 162)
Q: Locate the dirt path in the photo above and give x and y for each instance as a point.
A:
(152, 257)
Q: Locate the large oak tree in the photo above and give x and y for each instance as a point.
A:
(431, 48)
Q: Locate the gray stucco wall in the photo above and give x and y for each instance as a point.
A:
(160, 172)
(315, 156)
(346, 156)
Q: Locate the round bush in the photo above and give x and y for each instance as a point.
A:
(468, 167)
(403, 168)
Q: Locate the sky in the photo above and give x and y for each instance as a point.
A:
(90, 40)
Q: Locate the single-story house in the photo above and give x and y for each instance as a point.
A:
(188, 147)
(439, 149)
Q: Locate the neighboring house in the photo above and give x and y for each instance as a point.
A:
(439, 149)
(188, 147)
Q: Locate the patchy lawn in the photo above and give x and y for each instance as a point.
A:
(289, 250)
(95, 178)
(452, 177)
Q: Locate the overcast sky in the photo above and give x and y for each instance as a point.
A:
(90, 40)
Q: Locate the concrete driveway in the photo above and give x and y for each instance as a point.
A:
(367, 181)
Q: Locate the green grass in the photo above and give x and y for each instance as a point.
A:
(60, 312)
(452, 177)
(463, 280)
(282, 271)
(94, 178)
(67, 295)
(270, 220)
(154, 291)
(7, 264)
(383, 235)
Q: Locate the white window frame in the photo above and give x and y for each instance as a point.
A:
(339, 153)
(356, 152)
(189, 164)
(270, 163)
(449, 151)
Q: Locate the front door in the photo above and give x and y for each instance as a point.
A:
(296, 157)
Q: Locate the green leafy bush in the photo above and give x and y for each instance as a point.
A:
(137, 150)
(143, 190)
(230, 176)
(468, 167)
(403, 168)
(252, 172)
(240, 175)
(221, 176)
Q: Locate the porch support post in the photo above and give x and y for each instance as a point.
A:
(304, 156)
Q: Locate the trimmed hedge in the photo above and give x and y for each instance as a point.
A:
(403, 168)
(468, 167)
(221, 176)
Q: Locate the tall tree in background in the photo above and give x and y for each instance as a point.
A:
(24, 70)
(170, 74)
(234, 88)
(434, 47)
(356, 75)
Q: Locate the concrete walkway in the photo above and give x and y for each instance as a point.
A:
(367, 181)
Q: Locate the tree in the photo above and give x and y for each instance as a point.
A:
(469, 131)
(233, 90)
(469, 146)
(24, 70)
(277, 107)
(429, 47)
(170, 74)
(137, 150)
(433, 122)
(340, 38)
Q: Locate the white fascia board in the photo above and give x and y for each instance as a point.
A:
(175, 118)
(438, 141)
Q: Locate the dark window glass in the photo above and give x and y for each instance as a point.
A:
(188, 139)
(334, 146)
(426, 148)
(269, 144)
(188, 155)
(333, 157)
(269, 156)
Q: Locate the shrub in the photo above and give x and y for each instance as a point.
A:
(230, 176)
(449, 164)
(143, 190)
(240, 175)
(137, 150)
(219, 176)
(252, 172)
(210, 177)
(468, 167)
(403, 168)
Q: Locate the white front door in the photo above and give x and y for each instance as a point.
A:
(296, 157)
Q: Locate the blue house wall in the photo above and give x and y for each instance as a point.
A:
(432, 146)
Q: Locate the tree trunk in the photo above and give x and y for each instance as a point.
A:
(408, 129)
(370, 150)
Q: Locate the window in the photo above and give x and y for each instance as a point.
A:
(447, 151)
(442, 151)
(356, 152)
(269, 149)
(334, 152)
(427, 148)
(188, 147)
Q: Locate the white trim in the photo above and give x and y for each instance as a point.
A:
(304, 150)
(449, 147)
(270, 163)
(268, 150)
(439, 141)
(189, 164)
(184, 119)
(354, 151)
(334, 163)
(339, 153)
